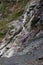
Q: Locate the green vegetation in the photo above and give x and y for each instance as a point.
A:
(17, 11)
(6, 15)
(3, 28)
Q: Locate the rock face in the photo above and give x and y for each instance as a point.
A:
(23, 45)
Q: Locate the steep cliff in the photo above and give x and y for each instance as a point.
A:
(22, 43)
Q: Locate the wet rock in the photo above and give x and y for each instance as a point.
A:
(24, 46)
(41, 58)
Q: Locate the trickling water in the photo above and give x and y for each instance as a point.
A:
(25, 16)
(29, 46)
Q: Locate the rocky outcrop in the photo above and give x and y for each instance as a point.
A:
(23, 45)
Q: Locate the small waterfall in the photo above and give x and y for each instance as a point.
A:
(24, 18)
(25, 15)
